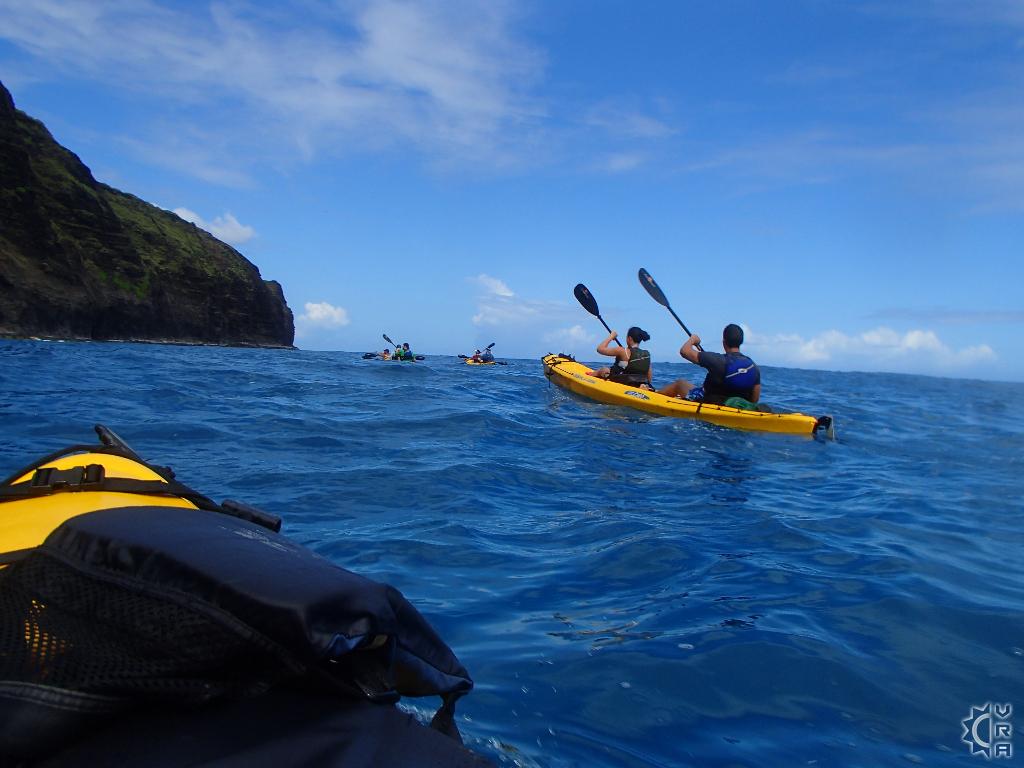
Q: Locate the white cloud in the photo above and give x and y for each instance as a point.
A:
(244, 83)
(952, 316)
(620, 122)
(322, 315)
(498, 310)
(570, 336)
(499, 306)
(999, 13)
(225, 227)
(201, 154)
(879, 348)
(448, 78)
(622, 162)
(492, 285)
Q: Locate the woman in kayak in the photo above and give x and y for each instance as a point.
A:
(632, 364)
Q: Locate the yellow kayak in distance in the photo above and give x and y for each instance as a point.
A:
(480, 362)
(573, 376)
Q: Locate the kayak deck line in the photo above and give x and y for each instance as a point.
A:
(569, 374)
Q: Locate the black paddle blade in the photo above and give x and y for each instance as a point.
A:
(490, 345)
(586, 298)
(389, 341)
(652, 287)
(659, 296)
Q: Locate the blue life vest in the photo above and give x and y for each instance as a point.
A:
(741, 373)
(737, 378)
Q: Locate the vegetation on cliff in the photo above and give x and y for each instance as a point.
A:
(79, 259)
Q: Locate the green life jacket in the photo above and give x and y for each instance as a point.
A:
(635, 371)
(746, 405)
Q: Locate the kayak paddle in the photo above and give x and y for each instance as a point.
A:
(586, 298)
(389, 341)
(659, 296)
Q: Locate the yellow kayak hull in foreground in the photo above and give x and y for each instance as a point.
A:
(24, 524)
(573, 376)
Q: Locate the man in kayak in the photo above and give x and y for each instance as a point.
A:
(406, 352)
(486, 356)
(632, 364)
(386, 354)
(730, 375)
(475, 357)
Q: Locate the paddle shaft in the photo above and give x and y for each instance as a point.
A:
(688, 331)
(652, 287)
(608, 329)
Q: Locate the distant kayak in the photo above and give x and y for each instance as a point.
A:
(470, 361)
(574, 376)
(372, 356)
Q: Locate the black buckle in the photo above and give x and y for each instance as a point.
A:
(64, 479)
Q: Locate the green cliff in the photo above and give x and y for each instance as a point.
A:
(79, 259)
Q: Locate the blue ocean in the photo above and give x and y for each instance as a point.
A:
(625, 590)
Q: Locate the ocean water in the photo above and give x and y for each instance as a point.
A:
(626, 590)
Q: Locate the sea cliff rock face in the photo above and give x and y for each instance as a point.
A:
(79, 259)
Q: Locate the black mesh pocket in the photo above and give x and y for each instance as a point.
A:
(65, 629)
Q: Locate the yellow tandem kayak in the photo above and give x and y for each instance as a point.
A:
(481, 362)
(573, 376)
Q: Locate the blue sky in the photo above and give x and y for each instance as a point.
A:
(844, 179)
